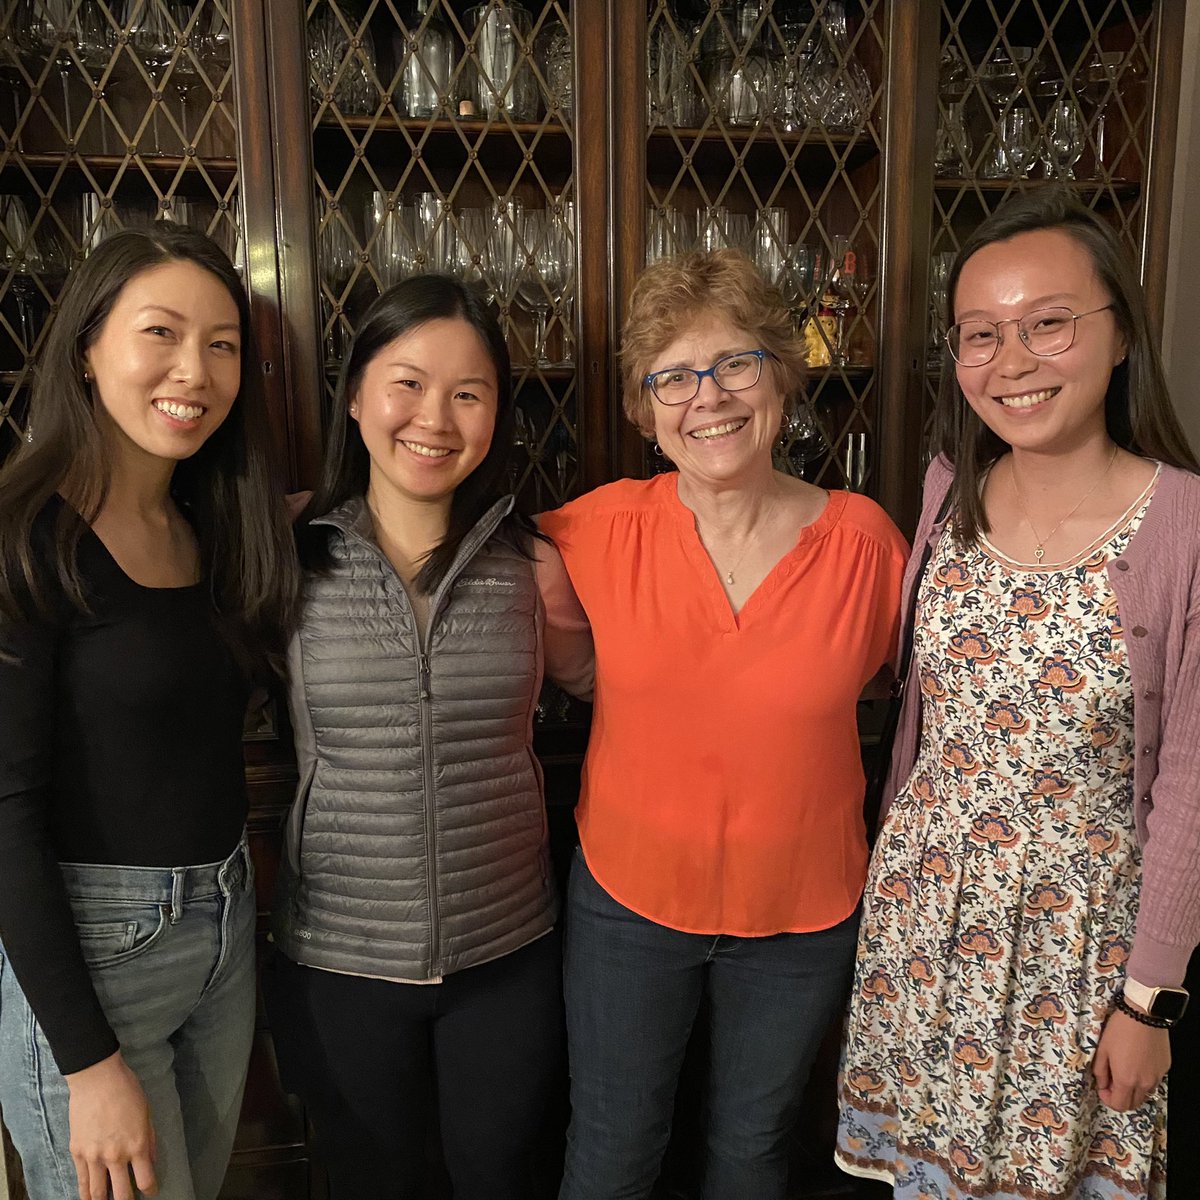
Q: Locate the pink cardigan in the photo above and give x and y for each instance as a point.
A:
(1157, 585)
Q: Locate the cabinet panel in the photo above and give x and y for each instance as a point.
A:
(1071, 97)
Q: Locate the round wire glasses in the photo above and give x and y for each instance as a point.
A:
(1045, 332)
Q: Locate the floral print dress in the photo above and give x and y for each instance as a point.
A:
(1000, 906)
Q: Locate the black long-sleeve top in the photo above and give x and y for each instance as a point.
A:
(120, 743)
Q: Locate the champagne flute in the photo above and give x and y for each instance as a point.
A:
(337, 255)
(152, 40)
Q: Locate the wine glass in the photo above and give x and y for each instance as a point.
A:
(1096, 86)
(36, 261)
(49, 30)
(337, 256)
(1018, 136)
(803, 441)
(544, 275)
(152, 40)
(1001, 77)
(1062, 145)
(193, 45)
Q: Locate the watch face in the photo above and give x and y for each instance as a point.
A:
(1168, 1004)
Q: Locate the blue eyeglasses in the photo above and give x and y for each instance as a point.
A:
(733, 373)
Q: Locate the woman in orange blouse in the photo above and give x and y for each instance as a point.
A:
(737, 614)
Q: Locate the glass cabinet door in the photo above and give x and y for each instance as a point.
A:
(444, 139)
(1047, 96)
(112, 113)
(764, 131)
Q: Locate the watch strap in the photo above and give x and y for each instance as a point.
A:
(1141, 1017)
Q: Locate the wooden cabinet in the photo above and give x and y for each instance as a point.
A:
(332, 145)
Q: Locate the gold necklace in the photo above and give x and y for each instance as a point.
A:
(728, 575)
(1040, 550)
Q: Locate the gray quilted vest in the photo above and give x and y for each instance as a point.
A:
(416, 845)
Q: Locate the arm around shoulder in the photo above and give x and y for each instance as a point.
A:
(570, 654)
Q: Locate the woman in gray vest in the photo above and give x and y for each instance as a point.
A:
(416, 908)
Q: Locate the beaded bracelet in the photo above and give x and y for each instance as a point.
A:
(1138, 1015)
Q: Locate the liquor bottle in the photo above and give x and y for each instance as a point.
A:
(827, 332)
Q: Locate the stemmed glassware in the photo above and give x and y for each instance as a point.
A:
(803, 440)
(1019, 139)
(152, 39)
(545, 274)
(36, 261)
(1062, 145)
(952, 150)
(48, 29)
(1001, 77)
(432, 233)
(1096, 87)
(470, 246)
(504, 253)
(185, 76)
(939, 277)
(337, 255)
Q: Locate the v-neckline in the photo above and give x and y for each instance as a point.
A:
(729, 620)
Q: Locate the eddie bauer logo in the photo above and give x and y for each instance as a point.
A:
(486, 581)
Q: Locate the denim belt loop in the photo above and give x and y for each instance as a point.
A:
(178, 875)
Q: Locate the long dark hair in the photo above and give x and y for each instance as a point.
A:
(1137, 406)
(347, 467)
(228, 490)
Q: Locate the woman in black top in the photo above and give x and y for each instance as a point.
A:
(146, 569)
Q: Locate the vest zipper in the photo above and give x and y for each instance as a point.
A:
(426, 713)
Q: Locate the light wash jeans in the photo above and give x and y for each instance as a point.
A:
(171, 952)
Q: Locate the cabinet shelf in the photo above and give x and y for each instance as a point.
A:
(1116, 189)
(105, 168)
(758, 147)
(497, 146)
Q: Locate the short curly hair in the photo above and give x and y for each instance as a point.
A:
(674, 295)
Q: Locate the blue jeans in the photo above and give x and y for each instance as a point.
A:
(171, 954)
(633, 989)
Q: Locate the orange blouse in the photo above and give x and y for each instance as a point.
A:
(722, 790)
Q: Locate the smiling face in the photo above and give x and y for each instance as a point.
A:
(426, 409)
(719, 437)
(1045, 404)
(166, 364)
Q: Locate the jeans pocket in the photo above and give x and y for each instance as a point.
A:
(114, 937)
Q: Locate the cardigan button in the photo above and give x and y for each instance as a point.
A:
(1147, 750)
(1149, 695)
(1121, 564)
(1138, 631)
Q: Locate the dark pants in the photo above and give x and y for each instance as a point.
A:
(633, 991)
(365, 1054)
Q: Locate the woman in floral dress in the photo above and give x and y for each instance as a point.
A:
(1035, 892)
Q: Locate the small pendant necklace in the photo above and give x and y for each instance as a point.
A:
(750, 539)
(1040, 550)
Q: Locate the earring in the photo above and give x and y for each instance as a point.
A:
(87, 376)
(658, 450)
